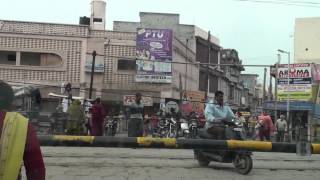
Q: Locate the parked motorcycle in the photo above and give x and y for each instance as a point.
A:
(193, 125)
(162, 127)
(167, 127)
(241, 160)
(172, 127)
(193, 128)
(184, 128)
(111, 126)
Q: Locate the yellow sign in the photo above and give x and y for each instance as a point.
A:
(296, 92)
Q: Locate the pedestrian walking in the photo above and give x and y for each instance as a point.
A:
(267, 127)
(97, 120)
(135, 126)
(281, 127)
(18, 142)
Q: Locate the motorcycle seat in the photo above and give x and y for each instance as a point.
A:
(202, 133)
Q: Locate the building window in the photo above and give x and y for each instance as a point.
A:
(203, 81)
(40, 59)
(126, 65)
(99, 20)
(8, 57)
(231, 92)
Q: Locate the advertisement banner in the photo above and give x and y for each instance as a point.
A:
(300, 82)
(154, 55)
(193, 101)
(296, 71)
(129, 99)
(98, 65)
(298, 92)
(316, 72)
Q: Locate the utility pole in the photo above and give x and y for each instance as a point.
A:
(270, 88)
(186, 72)
(288, 96)
(264, 86)
(276, 89)
(94, 53)
(180, 89)
(208, 73)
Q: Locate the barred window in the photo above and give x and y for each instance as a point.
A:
(126, 65)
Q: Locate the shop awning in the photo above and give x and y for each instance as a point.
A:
(294, 106)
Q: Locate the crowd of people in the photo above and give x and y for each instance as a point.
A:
(264, 128)
(19, 142)
(260, 127)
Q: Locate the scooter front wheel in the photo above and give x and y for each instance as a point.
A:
(243, 163)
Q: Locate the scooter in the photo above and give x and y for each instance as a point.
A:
(111, 127)
(184, 128)
(241, 159)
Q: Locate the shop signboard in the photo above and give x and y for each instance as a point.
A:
(129, 99)
(300, 82)
(98, 65)
(154, 55)
(193, 101)
(316, 72)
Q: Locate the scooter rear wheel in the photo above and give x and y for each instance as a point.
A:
(202, 160)
(243, 164)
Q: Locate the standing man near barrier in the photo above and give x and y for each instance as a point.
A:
(18, 142)
(97, 120)
(281, 127)
(215, 113)
(135, 126)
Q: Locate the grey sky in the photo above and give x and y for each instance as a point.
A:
(256, 30)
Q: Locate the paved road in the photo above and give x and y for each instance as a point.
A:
(65, 163)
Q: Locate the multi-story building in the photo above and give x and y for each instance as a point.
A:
(42, 54)
(249, 82)
(306, 43)
(198, 41)
(47, 55)
(189, 35)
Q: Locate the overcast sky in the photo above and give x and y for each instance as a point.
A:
(255, 30)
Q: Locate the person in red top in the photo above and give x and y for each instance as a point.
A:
(267, 125)
(32, 157)
(98, 115)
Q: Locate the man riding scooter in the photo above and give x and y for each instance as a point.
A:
(219, 123)
(216, 113)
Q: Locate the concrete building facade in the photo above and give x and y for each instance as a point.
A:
(42, 54)
(198, 42)
(46, 55)
(306, 40)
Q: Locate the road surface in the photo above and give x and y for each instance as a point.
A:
(70, 163)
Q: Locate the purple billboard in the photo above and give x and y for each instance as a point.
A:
(154, 55)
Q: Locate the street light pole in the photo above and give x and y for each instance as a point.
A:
(276, 88)
(94, 53)
(288, 92)
(208, 71)
(288, 89)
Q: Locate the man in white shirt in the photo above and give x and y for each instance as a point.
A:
(281, 126)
